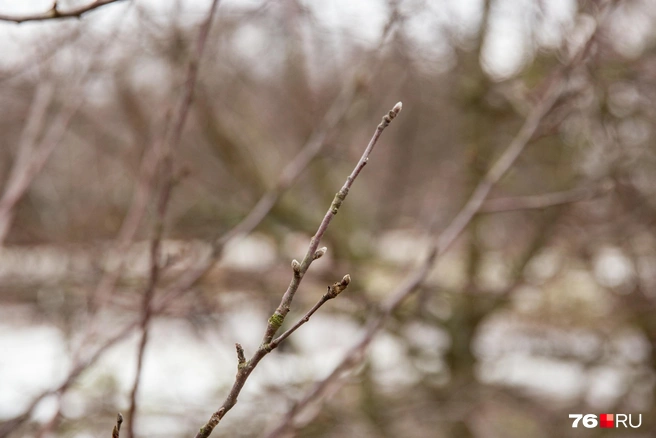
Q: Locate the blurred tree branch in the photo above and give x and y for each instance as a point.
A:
(553, 88)
(55, 13)
(151, 162)
(33, 154)
(532, 202)
(168, 180)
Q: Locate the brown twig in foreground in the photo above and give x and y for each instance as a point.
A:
(54, 12)
(554, 89)
(245, 368)
(333, 291)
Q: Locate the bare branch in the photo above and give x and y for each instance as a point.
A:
(340, 196)
(332, 292)
(148, 169)
(278, 317)
(149, 293)
(180, 116)
(54, 13)
(532, 202)
(32, 157)
(289, 174)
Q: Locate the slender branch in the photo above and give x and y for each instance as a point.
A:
(173, 141)
(149, 164)
(149, 293)
(288, 177)
(532, 202)
(126, 234)
(54, 13)
(278, 317)
(150, 161)
(290, 173)
(33, 156)
(332, 292)
(19, 179)
(80, 366)
(294, 168)
(191, 77)
(244, 369)
(554, 89)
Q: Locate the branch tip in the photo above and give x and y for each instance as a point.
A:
(346, 280)
(387, 118)
(337, 288)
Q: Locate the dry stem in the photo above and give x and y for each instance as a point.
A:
(244, 369)
(54, 13)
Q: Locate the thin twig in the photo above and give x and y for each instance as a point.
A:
(299, 269)
(289, 175)
(32, 156)
(191, 76)
(332, 292)
(554, 89)
(173, 141)
(18, 180)
(147, 170)
(81, 365)
(149, 293)
(294, 169)
(533, 202)
(149, 164)
(54, 13)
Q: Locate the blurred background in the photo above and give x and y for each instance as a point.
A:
(541, 309)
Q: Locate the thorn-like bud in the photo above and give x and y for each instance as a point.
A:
(387, 118)
(296, 266)
(319, 253)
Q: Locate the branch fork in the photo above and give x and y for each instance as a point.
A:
(276, 320)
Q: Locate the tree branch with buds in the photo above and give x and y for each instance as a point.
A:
(554, 88)
(246, 367)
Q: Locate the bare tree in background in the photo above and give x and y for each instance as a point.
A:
(160, 174)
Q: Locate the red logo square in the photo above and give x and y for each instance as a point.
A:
(606, 420)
